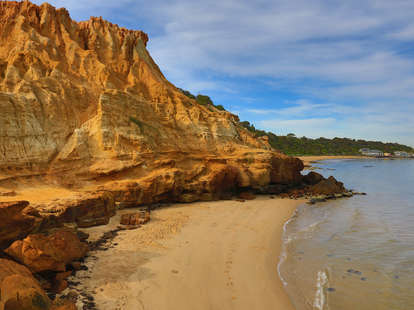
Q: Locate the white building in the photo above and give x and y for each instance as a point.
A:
(401, 154)
(372, 153)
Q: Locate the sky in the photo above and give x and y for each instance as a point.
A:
(320, 68)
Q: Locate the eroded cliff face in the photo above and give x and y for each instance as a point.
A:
(83, 105)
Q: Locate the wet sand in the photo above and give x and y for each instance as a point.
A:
(211, 255)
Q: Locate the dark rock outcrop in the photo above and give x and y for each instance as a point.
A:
(312, 178)
(52, 252)
(329, 186)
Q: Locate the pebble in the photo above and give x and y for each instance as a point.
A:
(354, 271)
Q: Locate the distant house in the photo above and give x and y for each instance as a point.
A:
(401, 154)
(371, 153)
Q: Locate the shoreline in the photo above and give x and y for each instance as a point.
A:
(308, 160)
(203, 255)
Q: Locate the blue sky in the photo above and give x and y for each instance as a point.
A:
(316, 68)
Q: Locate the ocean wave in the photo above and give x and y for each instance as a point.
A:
(283, 253)
(306, 232)
(322, 281)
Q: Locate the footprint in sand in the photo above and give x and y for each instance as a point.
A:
(230, 282)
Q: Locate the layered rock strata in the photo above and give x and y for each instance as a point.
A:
(85, 107)
(86, 112)
(89, 125)
(86, 100)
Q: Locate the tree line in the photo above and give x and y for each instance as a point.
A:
(296, 146)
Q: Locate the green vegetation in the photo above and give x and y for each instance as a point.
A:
(187, 93)
(292, 145)
(220, 107)
(203, 100)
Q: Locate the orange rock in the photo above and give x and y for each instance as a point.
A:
(17, 220)
(135, 219)
(19, 289)
(41, 252)
(99, 114)
(89, 210)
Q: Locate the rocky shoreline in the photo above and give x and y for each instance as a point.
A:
(45, 251)
(90, 126)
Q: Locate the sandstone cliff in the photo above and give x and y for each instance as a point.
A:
(84, 106)
(89, 125)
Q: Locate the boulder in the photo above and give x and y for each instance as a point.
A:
(312, 178)
(329, 186)
(19, 290)
(40, 252)
(17, 220)
(92, 209)
(135, 219)
(286, 170)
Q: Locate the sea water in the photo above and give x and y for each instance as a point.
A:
(356, 253)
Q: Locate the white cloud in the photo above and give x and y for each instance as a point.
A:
(335, 52)
(320, 127)
(300, 107)
(407, 33)
(374, 121)
(346, 44)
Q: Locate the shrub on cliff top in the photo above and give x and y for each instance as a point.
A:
(202, 100)
(187, 93)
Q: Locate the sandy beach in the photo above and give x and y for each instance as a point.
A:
(308, 160)
(209, 255)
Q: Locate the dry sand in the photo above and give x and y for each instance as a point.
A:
(211, 255)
